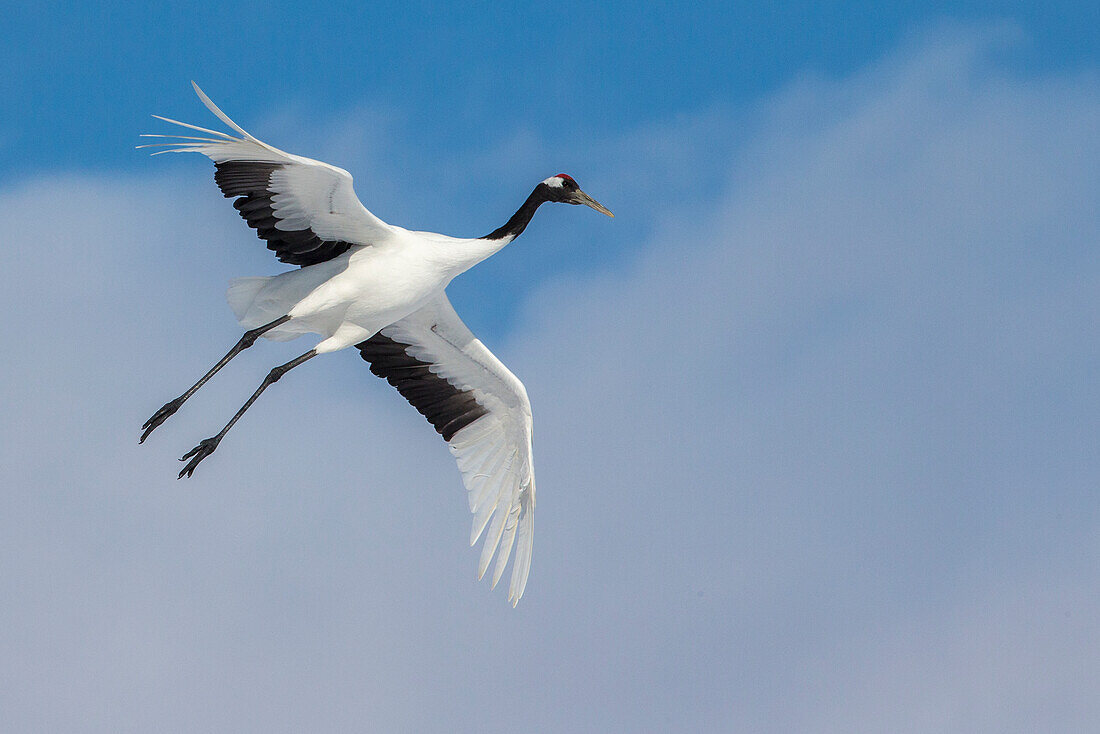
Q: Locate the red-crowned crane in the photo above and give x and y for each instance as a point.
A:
(380, 288)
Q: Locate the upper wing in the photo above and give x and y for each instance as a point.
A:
(482, 412)
(307, 211)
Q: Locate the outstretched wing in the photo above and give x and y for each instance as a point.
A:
(305, 210)
(483, 414)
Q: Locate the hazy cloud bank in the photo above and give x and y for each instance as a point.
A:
(820, 456)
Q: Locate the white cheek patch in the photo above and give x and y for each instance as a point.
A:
(554, 181)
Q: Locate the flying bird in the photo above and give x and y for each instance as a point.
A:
(380, 288)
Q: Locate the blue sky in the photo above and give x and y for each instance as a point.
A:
(816, 413)
(448, 82)
(89, 74)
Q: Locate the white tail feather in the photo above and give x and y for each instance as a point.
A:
(241, 294)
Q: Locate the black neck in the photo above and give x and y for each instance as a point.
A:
(514, 227)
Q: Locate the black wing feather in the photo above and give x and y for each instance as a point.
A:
(250, 181)
(446, 407)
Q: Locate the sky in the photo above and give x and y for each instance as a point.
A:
(816, 414)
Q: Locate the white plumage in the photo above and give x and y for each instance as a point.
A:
(494, 452)
(380, 287)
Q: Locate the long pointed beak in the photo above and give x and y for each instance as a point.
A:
(579, 197)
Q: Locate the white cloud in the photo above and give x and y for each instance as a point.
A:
(820, 458)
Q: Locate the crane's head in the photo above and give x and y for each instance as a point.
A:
(563, 189)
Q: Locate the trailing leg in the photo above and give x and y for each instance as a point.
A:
(208, 445)
(172, 406)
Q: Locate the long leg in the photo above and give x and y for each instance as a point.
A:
(207, 446)
(172, 406)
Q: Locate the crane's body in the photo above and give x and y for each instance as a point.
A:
(381, 288)
(352, 296)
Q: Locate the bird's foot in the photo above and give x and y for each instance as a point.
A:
(159, 417)
(197, 454)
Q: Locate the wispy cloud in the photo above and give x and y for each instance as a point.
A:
(819, 456)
